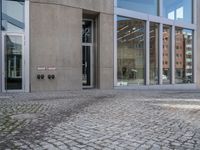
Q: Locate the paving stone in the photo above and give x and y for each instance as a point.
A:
(96, 119)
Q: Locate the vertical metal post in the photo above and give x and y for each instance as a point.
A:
(147, 52)
(26, 48)
(160, 9)
(195, 36)
(173, 52)
(160, 54)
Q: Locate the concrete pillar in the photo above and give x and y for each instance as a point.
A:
(106, 50)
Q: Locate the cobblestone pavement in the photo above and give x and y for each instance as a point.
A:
(104, 120)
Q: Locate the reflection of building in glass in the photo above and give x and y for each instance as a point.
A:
(166, 76)
(183, 55)
(14, 58)
(188, 46)
(179, 55)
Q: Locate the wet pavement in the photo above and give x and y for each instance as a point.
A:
(95, 119)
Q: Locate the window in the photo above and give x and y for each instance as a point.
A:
(180, 10)
(184, 67)
(130, 58)
(12, 15)
(86, 31)
(167, 43)
(154, 46)
(144, 6)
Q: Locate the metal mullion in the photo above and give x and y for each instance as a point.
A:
(27, 48)
(194, 12)
(160, 8)
(160, 54)
(115, 3)
(172, 54)
(147, 66)
(194, 56)
(115, 50)
(194, 52)
(2, 63)
(184, 25)
(131, 14)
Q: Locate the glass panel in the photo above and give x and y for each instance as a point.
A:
(13, 62)
(154, 46)
(166, 54)
(86, 66)
(131, 51)
(12, 15)
(144, 6)
(184, 46)
(87, 31)
(178, 10)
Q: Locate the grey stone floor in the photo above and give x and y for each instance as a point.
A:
(95, 119)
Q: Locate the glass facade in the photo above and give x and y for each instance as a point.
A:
(131, 51)
(184, 59)
(144, 6)
(180, 10)
(152, 50)
(12, 15)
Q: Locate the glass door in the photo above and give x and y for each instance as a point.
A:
(87, 54)
(86, 67)
(13, 66)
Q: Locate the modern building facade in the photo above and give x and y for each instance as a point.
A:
(57, 45)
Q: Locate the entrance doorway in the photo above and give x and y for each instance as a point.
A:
(87, 53)
(12, 62)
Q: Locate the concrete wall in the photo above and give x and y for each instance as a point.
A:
(104, 6)
(55, 41)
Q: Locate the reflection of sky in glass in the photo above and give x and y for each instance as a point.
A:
(178, 10)
(145, 6)
(13, 15)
